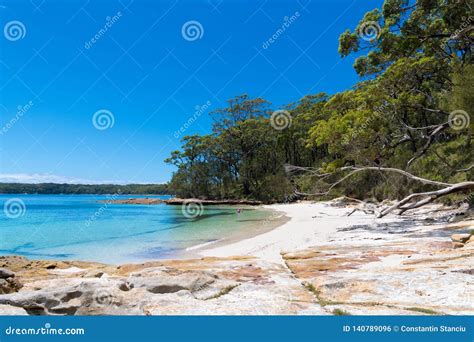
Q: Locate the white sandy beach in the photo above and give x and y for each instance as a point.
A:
(310, 224)
(398, 264)
(319, 262)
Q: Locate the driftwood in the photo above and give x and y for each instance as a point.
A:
(426, 197)
(412, 201)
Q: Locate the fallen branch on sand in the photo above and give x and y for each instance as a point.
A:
(426, 197)
(411, 201)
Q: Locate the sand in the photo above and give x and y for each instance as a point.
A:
(310, 224)
(322, 223)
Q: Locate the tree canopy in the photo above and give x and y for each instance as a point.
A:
(411, 110)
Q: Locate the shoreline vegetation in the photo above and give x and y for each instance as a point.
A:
(404, 132)
(180, 201)
(83, 189)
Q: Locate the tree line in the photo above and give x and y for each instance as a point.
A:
(410, 111)
(78, 189)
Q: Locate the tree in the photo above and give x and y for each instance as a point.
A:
(409, 112)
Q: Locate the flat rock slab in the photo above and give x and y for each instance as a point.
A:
(181, 201)
(8, 310)
(392, 278)
(143, 201)
(208, 286)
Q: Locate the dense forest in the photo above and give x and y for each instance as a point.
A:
(410, 114)
(53, 188)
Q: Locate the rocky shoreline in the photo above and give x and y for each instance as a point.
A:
(416, 264)
(180, 201)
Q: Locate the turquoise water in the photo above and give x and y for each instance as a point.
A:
(78, 227)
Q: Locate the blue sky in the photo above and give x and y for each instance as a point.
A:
(149, 77)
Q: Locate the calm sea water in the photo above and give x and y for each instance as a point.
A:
(78, 227)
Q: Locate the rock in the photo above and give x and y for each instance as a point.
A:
(8, 282)
(191, 281)
(64, 271)
(126, 286)
(4, 286)
(13, 262)
(458, 245)
(392, 277)
(460, 237)
(6, 273)
(207, 286)
(147, 201)
(9, 285)
(68, 307)
(69, 297)
(181, 201)
(8, 310)
(471, 240)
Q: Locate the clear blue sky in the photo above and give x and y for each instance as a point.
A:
(150, 77)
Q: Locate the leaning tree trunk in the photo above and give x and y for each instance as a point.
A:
(412, 201)
(426, 197)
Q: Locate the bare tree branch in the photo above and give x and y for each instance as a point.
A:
(428, 143)
(427, 197)
(412, 201)
(355, 170)
(466, 169)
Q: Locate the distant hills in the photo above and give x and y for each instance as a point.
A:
(54, 188)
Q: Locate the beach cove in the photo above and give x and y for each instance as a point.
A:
(319, 262)
(98, 228)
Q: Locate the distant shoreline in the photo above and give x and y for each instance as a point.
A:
(83, 189)
(92, 194)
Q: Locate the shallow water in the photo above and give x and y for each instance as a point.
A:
(78, 227)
